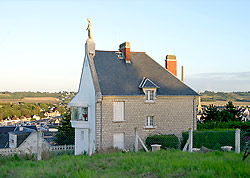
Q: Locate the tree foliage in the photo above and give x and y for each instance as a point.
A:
(234, 111)
(22, 109)
(230, 113)
(66, 133)
(211, 113)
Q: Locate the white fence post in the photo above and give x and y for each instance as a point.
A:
(39, 145)
(136, 140)
(143, 145)
(90, 142)
(237, 140)
(190, 137)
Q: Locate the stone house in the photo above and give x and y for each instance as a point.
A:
(21, 138)
(123, 90)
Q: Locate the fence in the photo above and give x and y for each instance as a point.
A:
(202, 140)
(191, 141)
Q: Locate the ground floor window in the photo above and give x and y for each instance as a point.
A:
(149, 121)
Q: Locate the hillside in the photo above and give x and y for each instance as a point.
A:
(36, 97)
(222, 96)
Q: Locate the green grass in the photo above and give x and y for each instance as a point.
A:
(170, 163)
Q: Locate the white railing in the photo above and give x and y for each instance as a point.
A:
(10, 151)
(62, 147)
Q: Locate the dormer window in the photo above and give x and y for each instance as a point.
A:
(119, 55)
(150, 95)
(149, 88)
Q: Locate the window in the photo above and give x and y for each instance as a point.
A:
(80, 113)
(118, 111)
(150, 121)
(150, 95)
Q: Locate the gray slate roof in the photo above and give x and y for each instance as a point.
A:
(116, 77)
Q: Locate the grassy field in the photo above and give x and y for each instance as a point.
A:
(171, 163)
(51, 100)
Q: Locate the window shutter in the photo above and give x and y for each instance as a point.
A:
(118, 111)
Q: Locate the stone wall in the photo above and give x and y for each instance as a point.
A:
(172, 115)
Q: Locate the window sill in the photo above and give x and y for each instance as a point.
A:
(118, 121)
(149, 101)
(79, 120)
(149, 127)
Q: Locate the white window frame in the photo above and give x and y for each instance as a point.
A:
(119, 111)
(150, 122)
(77, 113)
(150, 95)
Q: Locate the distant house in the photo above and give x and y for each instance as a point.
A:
(6, 132)
(123, 90)
(23, 138)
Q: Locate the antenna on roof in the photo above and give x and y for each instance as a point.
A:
(182, 73)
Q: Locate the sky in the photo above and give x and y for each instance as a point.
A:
(42, 41)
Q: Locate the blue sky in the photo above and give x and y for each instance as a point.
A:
(42, 42)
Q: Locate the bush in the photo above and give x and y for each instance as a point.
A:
(223, 125)
(212, 139)
(166, 141)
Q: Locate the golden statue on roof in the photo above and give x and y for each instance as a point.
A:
(90, 33)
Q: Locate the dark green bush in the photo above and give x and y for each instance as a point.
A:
(211, 125)
(166, 141)
(212, 139)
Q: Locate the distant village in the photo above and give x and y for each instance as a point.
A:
(50, 119)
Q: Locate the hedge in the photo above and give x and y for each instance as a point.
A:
(212, 139)
(224, 125)
(166, 141)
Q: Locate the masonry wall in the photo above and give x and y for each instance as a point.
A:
(29, 145)
(172, 115)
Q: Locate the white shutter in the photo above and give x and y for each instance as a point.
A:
(118, 111)
(119, 140)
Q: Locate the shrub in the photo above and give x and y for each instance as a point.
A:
(166, 141)
(224, 125)
(212, 139)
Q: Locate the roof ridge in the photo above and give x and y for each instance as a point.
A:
(118, 51)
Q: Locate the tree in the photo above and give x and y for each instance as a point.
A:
(234, 111)
(225, 116)
(66, 133)
(211, 113)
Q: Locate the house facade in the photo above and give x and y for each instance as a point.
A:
(123, 90)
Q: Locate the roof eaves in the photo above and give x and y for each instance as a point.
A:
(94, 75)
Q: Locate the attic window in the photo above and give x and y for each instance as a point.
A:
(119, 55)
(149, 88)
(150, 95)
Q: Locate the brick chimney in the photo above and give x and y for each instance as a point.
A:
(125, 49)
(171, 64)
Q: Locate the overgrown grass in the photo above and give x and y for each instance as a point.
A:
(165, 163)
